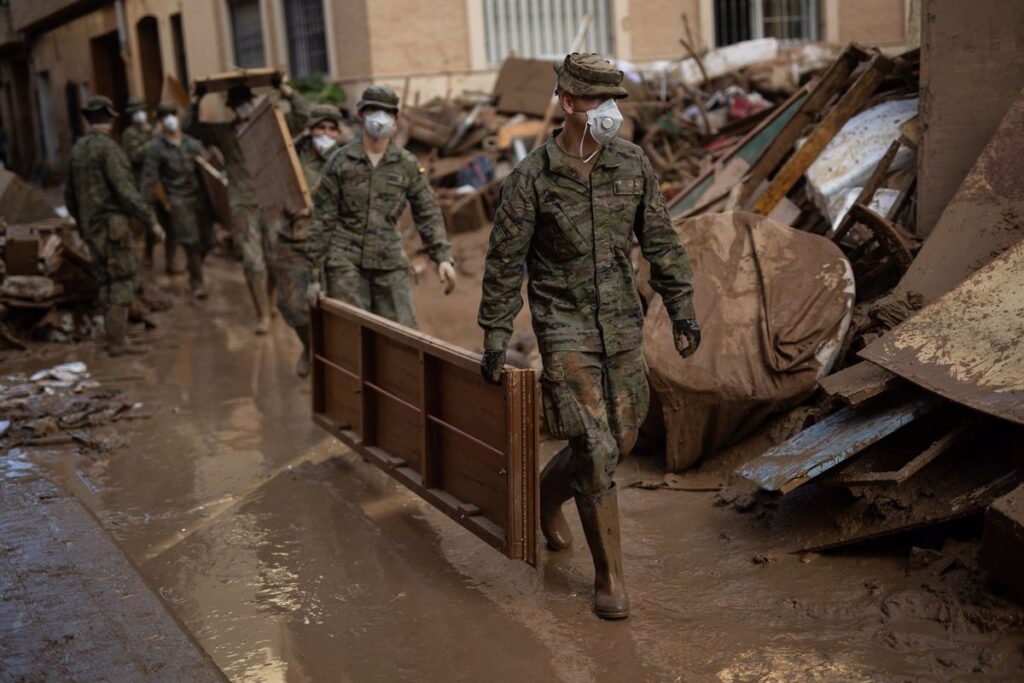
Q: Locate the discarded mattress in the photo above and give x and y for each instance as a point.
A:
(773, 303)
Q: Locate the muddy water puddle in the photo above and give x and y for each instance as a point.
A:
(290, 559)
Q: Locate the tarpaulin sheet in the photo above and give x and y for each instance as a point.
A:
(773, 303)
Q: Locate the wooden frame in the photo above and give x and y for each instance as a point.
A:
(273, 165)
(216, 186)
(418, 409)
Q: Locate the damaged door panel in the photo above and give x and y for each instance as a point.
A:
(417, 408)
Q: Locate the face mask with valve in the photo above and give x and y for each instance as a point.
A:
(323, 144)
(379, 124)
(171, 123)
(139, 117)
(603, 122)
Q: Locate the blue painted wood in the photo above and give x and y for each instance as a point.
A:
(832, 441)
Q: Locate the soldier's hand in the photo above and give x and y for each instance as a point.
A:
(199, 91)
(686, 335)
(492, 366)
(313, 294)
(446, 274)
(157, 231)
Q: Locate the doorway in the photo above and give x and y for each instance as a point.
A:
(150, 60)
(178, 35)
(109, 74)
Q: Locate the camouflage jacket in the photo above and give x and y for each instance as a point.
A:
(100, 184)
(574, 238)
(312, 166)
(357, 207)
(175, 167)
(133, 142)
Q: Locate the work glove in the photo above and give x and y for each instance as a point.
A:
(157, 231)
(446, 274)
(313, 294)
(492, 365)
(686, 335)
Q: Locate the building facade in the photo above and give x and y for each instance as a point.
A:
(55, 53)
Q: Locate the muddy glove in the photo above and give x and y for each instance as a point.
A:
(492, 365)
(157, 231)
(314, 294)
(446, 273)
(686, 335)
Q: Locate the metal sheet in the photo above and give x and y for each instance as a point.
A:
(967, 345)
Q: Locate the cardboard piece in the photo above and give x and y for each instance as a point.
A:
(273, 165)
(525, 86)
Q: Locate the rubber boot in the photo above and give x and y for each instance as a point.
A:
(261, 299)
(170, 251)
(117, 333)
(600, 517)
(555, 489)
(194, 261)
(302, 366)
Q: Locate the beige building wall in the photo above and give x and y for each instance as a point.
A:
(651, 29)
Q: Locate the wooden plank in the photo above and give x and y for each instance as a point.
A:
(832, 441)
(867, 192)
(216, 186)
(866, 477)
(1002, 544)
(273, 165)
(859, 383)
(896, 241)
(254, 78)
(417, 408)
(848, 105)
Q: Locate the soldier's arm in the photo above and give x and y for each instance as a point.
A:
(426, 212)
(325, 216)
(190, 123)
(150, 172)
(511, 235)
(300, 113)
(671, 274)
(119, 175)
(136, 150)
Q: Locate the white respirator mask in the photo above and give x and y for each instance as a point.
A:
(139, 117)
(170, 123)
(323, 143)
(604, 122)
(379, 124)
(243, 111)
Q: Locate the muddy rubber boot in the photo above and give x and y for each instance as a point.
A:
(117, 333)
(555, 489)
(302, 366)
(600, 517)
(194, 261)
(170, 251)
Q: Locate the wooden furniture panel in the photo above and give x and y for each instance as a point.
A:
(417, 408)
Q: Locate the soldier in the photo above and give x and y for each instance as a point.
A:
(250, 230)
(171, 160)
(568, 211)
(100, 194)
(354, 234)
(313, 147)
(133, 141)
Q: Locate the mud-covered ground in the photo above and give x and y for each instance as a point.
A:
(289, 558)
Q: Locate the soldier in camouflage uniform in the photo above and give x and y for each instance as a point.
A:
(354, 234)
(171, 160)
(568, 212)
(101, 195)
(133, 141)
(313, 148)
(250, 231)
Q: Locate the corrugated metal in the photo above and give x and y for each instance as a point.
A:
(544, 28)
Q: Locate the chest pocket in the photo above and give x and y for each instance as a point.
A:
(563, 240)
(395, 187)
(627, 194)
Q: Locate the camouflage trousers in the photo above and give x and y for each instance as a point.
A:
(255, 242)
(113, 261)
(292, 281)
(597, 403)
(384, 292)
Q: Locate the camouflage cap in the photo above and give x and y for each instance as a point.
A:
(324, 112)
(589, 75)
(166, 107)
(135, 104)
(379, 96)
(98, 103)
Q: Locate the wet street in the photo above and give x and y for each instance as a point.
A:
(290, 559)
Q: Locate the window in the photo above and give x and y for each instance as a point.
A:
(247, 33)
(791, 21)
(307, 41)
(544, 28)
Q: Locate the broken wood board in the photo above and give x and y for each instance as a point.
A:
(216, 186)
(867, 193)
(832, 441)
(849, 104)
(524, 86)
(252, 78)
(967, 345)
(417, 408)
(175, 92)
(984, 218)
(1002, 544)
(897, 242)
(972, 68)
(860, 382)
(273, 165)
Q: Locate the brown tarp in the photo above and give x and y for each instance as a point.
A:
(773, 304)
